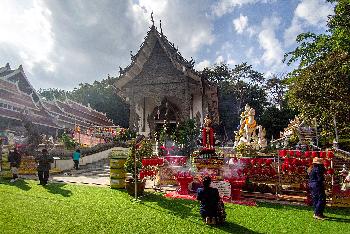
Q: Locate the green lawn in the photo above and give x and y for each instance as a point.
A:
(26, 207)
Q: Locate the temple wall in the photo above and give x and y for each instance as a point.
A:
(197, 108)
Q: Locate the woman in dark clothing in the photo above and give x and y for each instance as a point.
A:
(211, 207)
(317, 187)
(15, 161)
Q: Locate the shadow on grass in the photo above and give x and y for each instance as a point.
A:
(341, 220)
(21, 184)
(329, 210)
(57, 188)
(183, 209)
(179, 207)
(235, 228)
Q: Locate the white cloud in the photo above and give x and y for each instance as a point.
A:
(251, 31)
(307, 13)
(273, 52)
(28, 31)
(231, 62)
(314, 12)
(291, 33)
(226, 6)
(249, 52)
(176, 15)
(219, 59)
(203, 64)
(64, 43)
(240, 23)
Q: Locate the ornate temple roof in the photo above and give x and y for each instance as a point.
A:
(139, 59)
(18, 97)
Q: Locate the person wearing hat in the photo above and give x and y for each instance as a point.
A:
(317, 187)
(44, 165)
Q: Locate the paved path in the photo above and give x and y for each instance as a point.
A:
(94, 173)
(91, 174)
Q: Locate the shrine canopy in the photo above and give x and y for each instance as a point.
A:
(158, 77)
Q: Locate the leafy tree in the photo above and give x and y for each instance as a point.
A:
(276, 119)
(320, 86)
(276, 88)
(50, 94)
(186, 134)
(236, 87)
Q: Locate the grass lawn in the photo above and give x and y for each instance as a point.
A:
(26, 207)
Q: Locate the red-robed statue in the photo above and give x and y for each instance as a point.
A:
(208, 134)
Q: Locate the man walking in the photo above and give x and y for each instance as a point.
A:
(44, 165)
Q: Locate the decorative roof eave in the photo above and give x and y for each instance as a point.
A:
(144, 53)
(14, 72)
(173, 57)
(80, 118)
(137, 64)
(92, 111)
(6, 68)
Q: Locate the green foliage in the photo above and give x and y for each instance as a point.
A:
(186, 135)
(50, 94)
(320, 87)
(236, 87)
(276, 119)
(130, 161)
(144, 149)
(69, 143)
(125, 134)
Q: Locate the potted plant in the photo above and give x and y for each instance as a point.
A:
(135, 154)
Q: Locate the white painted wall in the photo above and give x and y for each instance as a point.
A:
(68, 164)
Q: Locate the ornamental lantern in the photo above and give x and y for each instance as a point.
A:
(326, 163)
(282, 153)
(314, 154)
(330, 154)
(330, 171)
(291, 153)
(307, 154)
(323, 154)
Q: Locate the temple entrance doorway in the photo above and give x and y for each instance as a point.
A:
(167, 113)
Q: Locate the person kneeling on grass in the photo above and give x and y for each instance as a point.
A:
(44, 165)
(212, 208)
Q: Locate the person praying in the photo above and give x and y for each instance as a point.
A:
(212, 208)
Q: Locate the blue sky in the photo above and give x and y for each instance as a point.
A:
(62, 43)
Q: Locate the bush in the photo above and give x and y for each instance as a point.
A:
(132, 156)
(69, 143)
